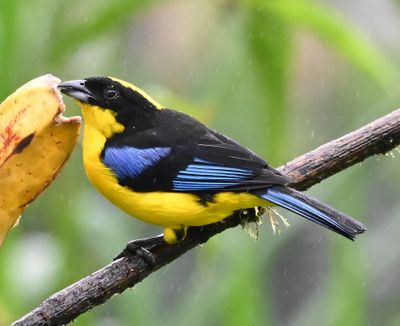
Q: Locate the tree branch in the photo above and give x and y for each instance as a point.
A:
(378, 137)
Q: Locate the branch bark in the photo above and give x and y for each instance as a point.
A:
(378, 137)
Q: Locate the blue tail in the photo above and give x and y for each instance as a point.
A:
(313, 210)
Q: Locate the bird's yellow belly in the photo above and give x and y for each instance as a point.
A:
(168, 209)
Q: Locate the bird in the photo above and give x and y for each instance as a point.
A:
(166, 168)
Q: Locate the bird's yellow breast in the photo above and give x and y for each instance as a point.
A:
(168, 209)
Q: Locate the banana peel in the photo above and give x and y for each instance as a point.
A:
(35, 142)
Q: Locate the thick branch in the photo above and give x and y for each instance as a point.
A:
(378, 137)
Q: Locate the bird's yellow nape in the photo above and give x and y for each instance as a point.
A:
(138, 90)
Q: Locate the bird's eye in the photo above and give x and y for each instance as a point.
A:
(110, 94)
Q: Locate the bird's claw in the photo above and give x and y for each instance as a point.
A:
(142, 248)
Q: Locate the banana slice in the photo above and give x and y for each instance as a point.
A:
(35, 142)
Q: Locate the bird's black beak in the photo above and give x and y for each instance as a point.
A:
(76, 89)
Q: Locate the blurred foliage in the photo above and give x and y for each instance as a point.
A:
(280, 77)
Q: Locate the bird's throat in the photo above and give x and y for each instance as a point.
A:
(102, 120)
(100, 125)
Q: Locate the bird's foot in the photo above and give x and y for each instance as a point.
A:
(142, 248)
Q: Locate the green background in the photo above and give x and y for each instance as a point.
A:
(281, 77)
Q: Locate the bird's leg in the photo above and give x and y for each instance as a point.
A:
(142, 247)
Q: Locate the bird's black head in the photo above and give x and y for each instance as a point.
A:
(124, 99)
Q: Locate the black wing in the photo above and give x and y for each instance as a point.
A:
(180, 154)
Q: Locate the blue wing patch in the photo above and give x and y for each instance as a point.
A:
(203, 175)
(130, 161)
